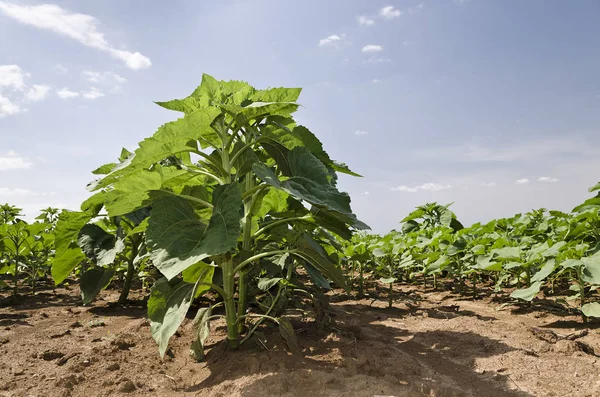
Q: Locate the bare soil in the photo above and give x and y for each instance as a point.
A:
(428, 344)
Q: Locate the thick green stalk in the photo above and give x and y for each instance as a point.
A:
(228, 299)
(130, 271)
(247, 241)
(360, 279)
(16, 286)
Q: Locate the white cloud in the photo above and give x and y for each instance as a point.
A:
(487, 184)
(12, 161)
(65, 93)
(522, 181)
(92, 93)
(415, 9)
(79, 27)
(361, 132)
(60, 69)
(370, 48)
(8, 108)
(365, 193)
(365, 20)
(96, 77)
(8, 192)
(390, 12)
(375, 81)
(375, 61)
(526, 151)
(332, 41)
(430, 187)
(547, 179)
(12, 76)
(37, 92)
(18, 192)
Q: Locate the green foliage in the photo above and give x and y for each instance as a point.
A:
(237, 184)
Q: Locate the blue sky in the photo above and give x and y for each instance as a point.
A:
(494, 105)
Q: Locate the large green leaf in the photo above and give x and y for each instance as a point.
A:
(591, 309)
(172, 138)
(68, 254)
(310, 182)
(167, 307)
(527, 294)
(202, 327)
(314, 254)
(507, 253)
(545, 271)
(200, 272)
(132, 193)
(178, 239)
(93, 281)
(99, 245)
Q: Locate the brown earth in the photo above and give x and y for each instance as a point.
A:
(429, 344)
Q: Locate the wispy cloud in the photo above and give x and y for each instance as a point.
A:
(430, 187)
(37, 92)
(12, 161)
(60, 69)
(364, 20)
(13, 90)
(97, 77)
(487, 184)
(361, 132)
(332, 41)
(365, 193)
(375, 61)
(8, 192)
(390, 12)
(12, 77)
(17, 192)
(528, 150)
(547, 179)
(370, 48)
(92, 93)
(375, 81)
(66, 93)
(7, 107)
(522, 181)
(79, 27)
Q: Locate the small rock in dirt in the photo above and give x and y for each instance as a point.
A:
(113, 367)
(60, 334)
(75, 324)
(124, 342)
(3, 340)
(44, 315)
(18, 371)
(96, 323)
(50, 355)
(127, 387)
(68, 382)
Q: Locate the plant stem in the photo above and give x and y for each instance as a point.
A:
(230, 312)
(360, 279)
(128, 280)
(390, 298)
(16, 286)
(130, 271)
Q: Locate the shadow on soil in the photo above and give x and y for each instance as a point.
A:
(365, 357)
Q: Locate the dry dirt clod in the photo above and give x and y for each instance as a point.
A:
(50, 355)
(127, 387)
(113, 367)
(75, 324)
